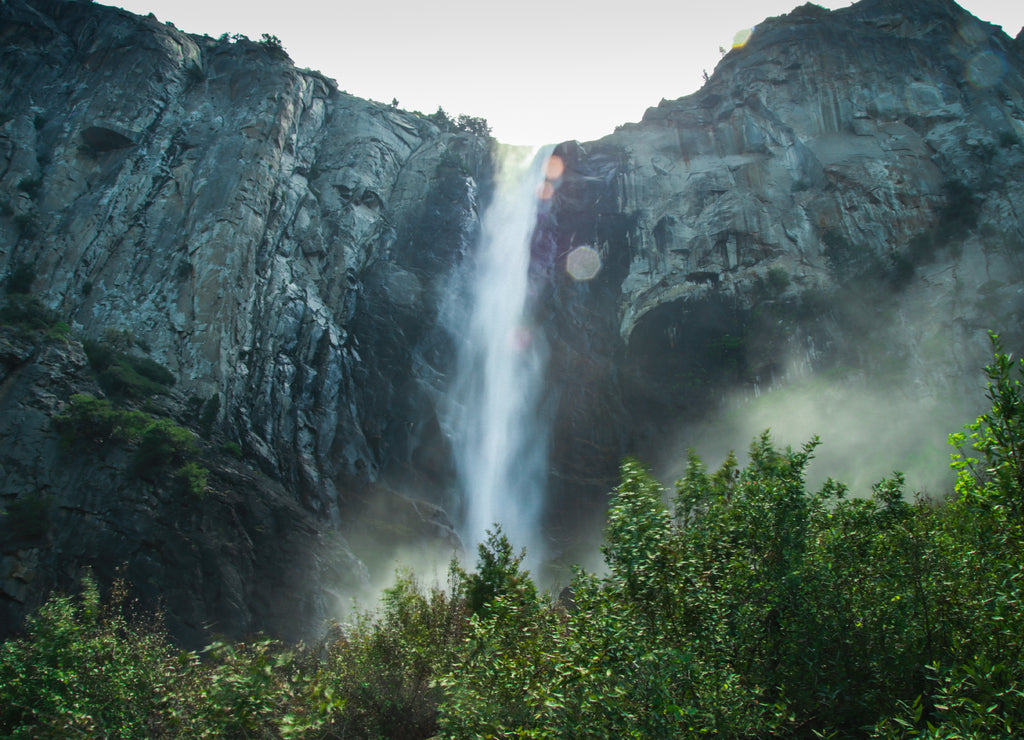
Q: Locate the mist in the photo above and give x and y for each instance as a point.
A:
(866, 431)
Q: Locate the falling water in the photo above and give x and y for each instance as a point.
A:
(498, 427)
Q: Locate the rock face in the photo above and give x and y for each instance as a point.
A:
(277, 244)
(240, 217)
(243, 558)
(843, 195)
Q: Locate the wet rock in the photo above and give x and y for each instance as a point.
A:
(806, 210)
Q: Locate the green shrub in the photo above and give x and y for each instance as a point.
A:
(233, 449)
(80, 671)
(164, 443)
(126, 375)
(383, 669)
(59, 331)
(27, 314)
(748, 606)
(159, 443)
(473, 125)
(194, 74)
(272, 44)
(193, 478)
(92, 421)
(499, 573)
(122, 380)
(778, 280)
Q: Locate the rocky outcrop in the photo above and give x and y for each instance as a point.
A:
(271, 239)
(279, 245)
(240, 558)
(843, 194)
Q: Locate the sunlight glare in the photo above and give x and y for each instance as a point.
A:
(583, 263)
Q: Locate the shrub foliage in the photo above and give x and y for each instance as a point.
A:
(125, 375)
(158, 443)
(740, 605)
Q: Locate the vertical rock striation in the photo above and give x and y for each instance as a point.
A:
(280, 246)
(843, 194)
(269, 238)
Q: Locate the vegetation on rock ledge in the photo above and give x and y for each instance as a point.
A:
(747, 606)
(159, 443)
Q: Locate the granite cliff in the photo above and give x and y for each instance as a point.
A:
(843, 196)
(276, 244)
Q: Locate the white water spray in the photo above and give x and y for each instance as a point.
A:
(499, 429)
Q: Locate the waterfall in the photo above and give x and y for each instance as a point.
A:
(498, 427)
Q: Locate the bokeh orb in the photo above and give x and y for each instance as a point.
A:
(985, 69)
(554, 167)
(742, 37)
(583, 263)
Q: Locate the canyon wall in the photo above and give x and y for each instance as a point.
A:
(837, 215)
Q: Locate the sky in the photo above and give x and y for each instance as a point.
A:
(539, 71)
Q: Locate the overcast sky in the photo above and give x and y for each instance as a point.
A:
(539, 72)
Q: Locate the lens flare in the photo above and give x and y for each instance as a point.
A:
(583, 263)
(972, 33)
(520, 338)
(554, 167)
(985, 69)
(742, 37)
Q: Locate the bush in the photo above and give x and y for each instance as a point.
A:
(208, 417)
(89, 669)
(27, 314)
(383, 669)
(163, 442)
(158, 443)
(747, 606)
(193, 477)
(125, 375)
(499, 573)
(194, 74)
(464, 124)
(272, 44)
(778, 280)
(80, 671)
(92, 421)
